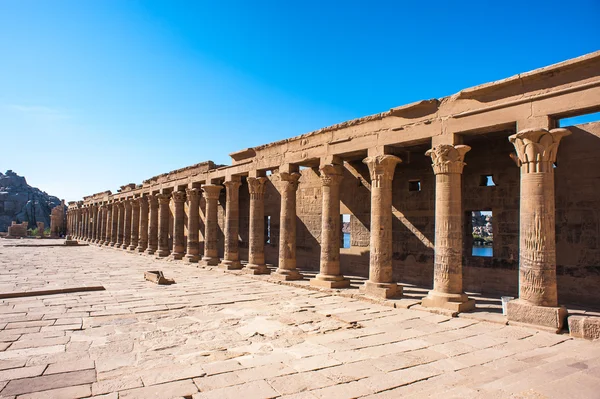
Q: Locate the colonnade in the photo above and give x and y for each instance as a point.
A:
(142, 225)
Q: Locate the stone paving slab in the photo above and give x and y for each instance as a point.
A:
(224, 335)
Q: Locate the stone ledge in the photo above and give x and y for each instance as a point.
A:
(584, 327)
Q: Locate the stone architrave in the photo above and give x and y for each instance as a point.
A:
(256, 250)
(163, 225)
(120, 224)
(143, 225)
(109, 222)
(128, 217)
(152, 224)
(536, 151)
(231, 256)
(178, 225)
(135, 224)
(380, 283)
(211, 250)
(447, 293)
(329, 273)
(193, 246)
(286, 270)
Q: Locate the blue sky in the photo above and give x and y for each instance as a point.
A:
(97, 94)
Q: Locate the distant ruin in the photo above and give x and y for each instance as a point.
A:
(409, 178)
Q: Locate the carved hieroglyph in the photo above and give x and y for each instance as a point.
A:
(231, 255)
(135, 224)
(193, 245)
(120, 224)
(536, 151)
(380, 283)
(256, 253)
(127, 231)
(211, 250)
(288, 184)
(329, 274)
(178, 225)
(163, 225)
(152, 224)
(448, 163)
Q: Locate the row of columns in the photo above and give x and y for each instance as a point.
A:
(143, 225)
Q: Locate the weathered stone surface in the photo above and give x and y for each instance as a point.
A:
(584, 327)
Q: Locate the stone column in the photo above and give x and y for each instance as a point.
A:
(93, 223)
(537, 304)
(108, 222)
(193, 246)
(135, 224)
(380, 283)
(288, 184)
(114, 229)
(211, 251)
(163, 225)
(101, 224)
(231, 257)
(256, 250)
(84, 224)
(121, 224)
(143, 225)
(329, 273)
(447, 293)
(178, 225)
(127, 232)
(152, 224)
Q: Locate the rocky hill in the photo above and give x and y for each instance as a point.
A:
(22, 203)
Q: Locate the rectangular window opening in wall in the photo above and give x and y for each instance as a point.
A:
(487, 181)
(414, 185)
(578, 120)
(267, 229)
(345, 233)
(483, 234)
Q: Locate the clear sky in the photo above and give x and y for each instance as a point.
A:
(97, 94)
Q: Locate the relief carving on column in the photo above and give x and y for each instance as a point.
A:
(381, 169)
(152, 201)
(163, 199)
(536, 149)
(192, 194)
(448, 158)
(331, 174)
(231, 188)
(287, 177)
(256, 187)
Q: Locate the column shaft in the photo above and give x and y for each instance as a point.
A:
(128, 220)
(256, 250)
(135, 224)
(211, 251)
(178, 225)
(120, 224)
(329, 275)
(381, 283)
(193, 245)
(108, 235)
(163, 225)
(152, 224)
(231, 258)
(286, 270)
(143, 225)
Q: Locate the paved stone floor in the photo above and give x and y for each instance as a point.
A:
(218, 335)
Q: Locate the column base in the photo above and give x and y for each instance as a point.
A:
(118, 245)
(192, 258)
(453, 302)
(381, 290)
(230, 265)
(287, 275)
(162, 253)
(150, 251)
(328, 281)
(112, 244)
(548, 318)
(209, 261)
(256, 269)
(132, 247)
(176, 255)
(141, 250)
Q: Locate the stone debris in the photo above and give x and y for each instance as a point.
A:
(158, 277)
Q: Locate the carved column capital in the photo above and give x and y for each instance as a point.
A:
(212, 191)
(536, 149)
(192, 193)
(331, 175)
(164, 199)
(179, 196)
(447, 158)
(256, 187)
(381, 169)
(286, 177)
(153, 200)
(232, 184)
(127, 203)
